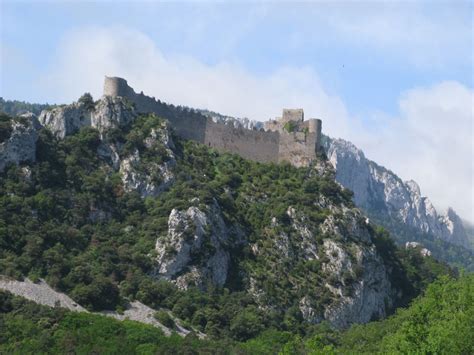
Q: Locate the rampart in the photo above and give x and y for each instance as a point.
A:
(289, 138)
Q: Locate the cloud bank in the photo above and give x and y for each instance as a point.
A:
(430, 140)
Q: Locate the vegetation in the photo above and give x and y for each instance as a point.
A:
(290, 126)
(440, 322)
(71, 222)
(5, 127)
(14, 107)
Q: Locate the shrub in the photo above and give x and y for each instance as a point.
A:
(164, 318)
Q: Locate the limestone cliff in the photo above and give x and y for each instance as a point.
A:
(379, 190)
(20, 146)
(197, 247)
(107, 113)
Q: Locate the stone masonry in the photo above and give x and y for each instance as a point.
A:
(289, 138)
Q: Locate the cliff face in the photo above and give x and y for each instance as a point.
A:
(20, 146)
(380, 191)
(107, 113)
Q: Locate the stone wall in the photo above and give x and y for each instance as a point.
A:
(274, 145)
(255, 145)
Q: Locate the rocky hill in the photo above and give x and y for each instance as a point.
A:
(381, 192)
(109, 207)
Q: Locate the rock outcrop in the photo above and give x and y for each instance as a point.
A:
(150, 179)
(108, 112)
(377, 189)
(20, 146)
(112, 112)
(361, 286)
(195, 250)
(416, 245)
(66, 120)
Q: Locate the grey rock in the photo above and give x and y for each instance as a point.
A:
(148, 179)
(379, 189)
(40, 293)
(108, 112)
(372, 292)
(112, 112)
(416, 245)
(66, 120)
(21, 145)
(195, 249)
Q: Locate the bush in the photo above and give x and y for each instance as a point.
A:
(164, 318)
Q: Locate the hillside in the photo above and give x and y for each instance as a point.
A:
(399, 206)
(117, 209)
(441, 322)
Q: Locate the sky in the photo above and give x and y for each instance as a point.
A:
(394, 78)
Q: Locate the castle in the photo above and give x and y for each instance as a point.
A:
(289, 138)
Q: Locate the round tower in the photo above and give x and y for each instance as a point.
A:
(114, 86)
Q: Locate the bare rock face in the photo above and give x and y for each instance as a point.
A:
(150, 179)
(107, 113)
(354, 276)
(360, 283)
(20, 146)
(195, 249)
(371, 292)
(66, 120)
(40, 293)
(112, 112)
(378, 189)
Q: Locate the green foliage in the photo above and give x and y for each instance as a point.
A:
(5, 127)
(164, 318)
(72, 223)
(290, 126)
(14, 107)
(28, 328)
(87, 101)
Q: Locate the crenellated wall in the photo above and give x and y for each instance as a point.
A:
(275, 144)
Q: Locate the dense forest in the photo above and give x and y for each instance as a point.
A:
(68, 219)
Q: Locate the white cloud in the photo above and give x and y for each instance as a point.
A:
(430, 141)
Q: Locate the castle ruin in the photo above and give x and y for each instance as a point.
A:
(289, 138)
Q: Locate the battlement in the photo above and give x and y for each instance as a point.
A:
(288, 138)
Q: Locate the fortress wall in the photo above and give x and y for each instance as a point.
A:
(297, 148)
(254, 145)
(193, 129)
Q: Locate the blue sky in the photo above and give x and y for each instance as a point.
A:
(368, 69)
